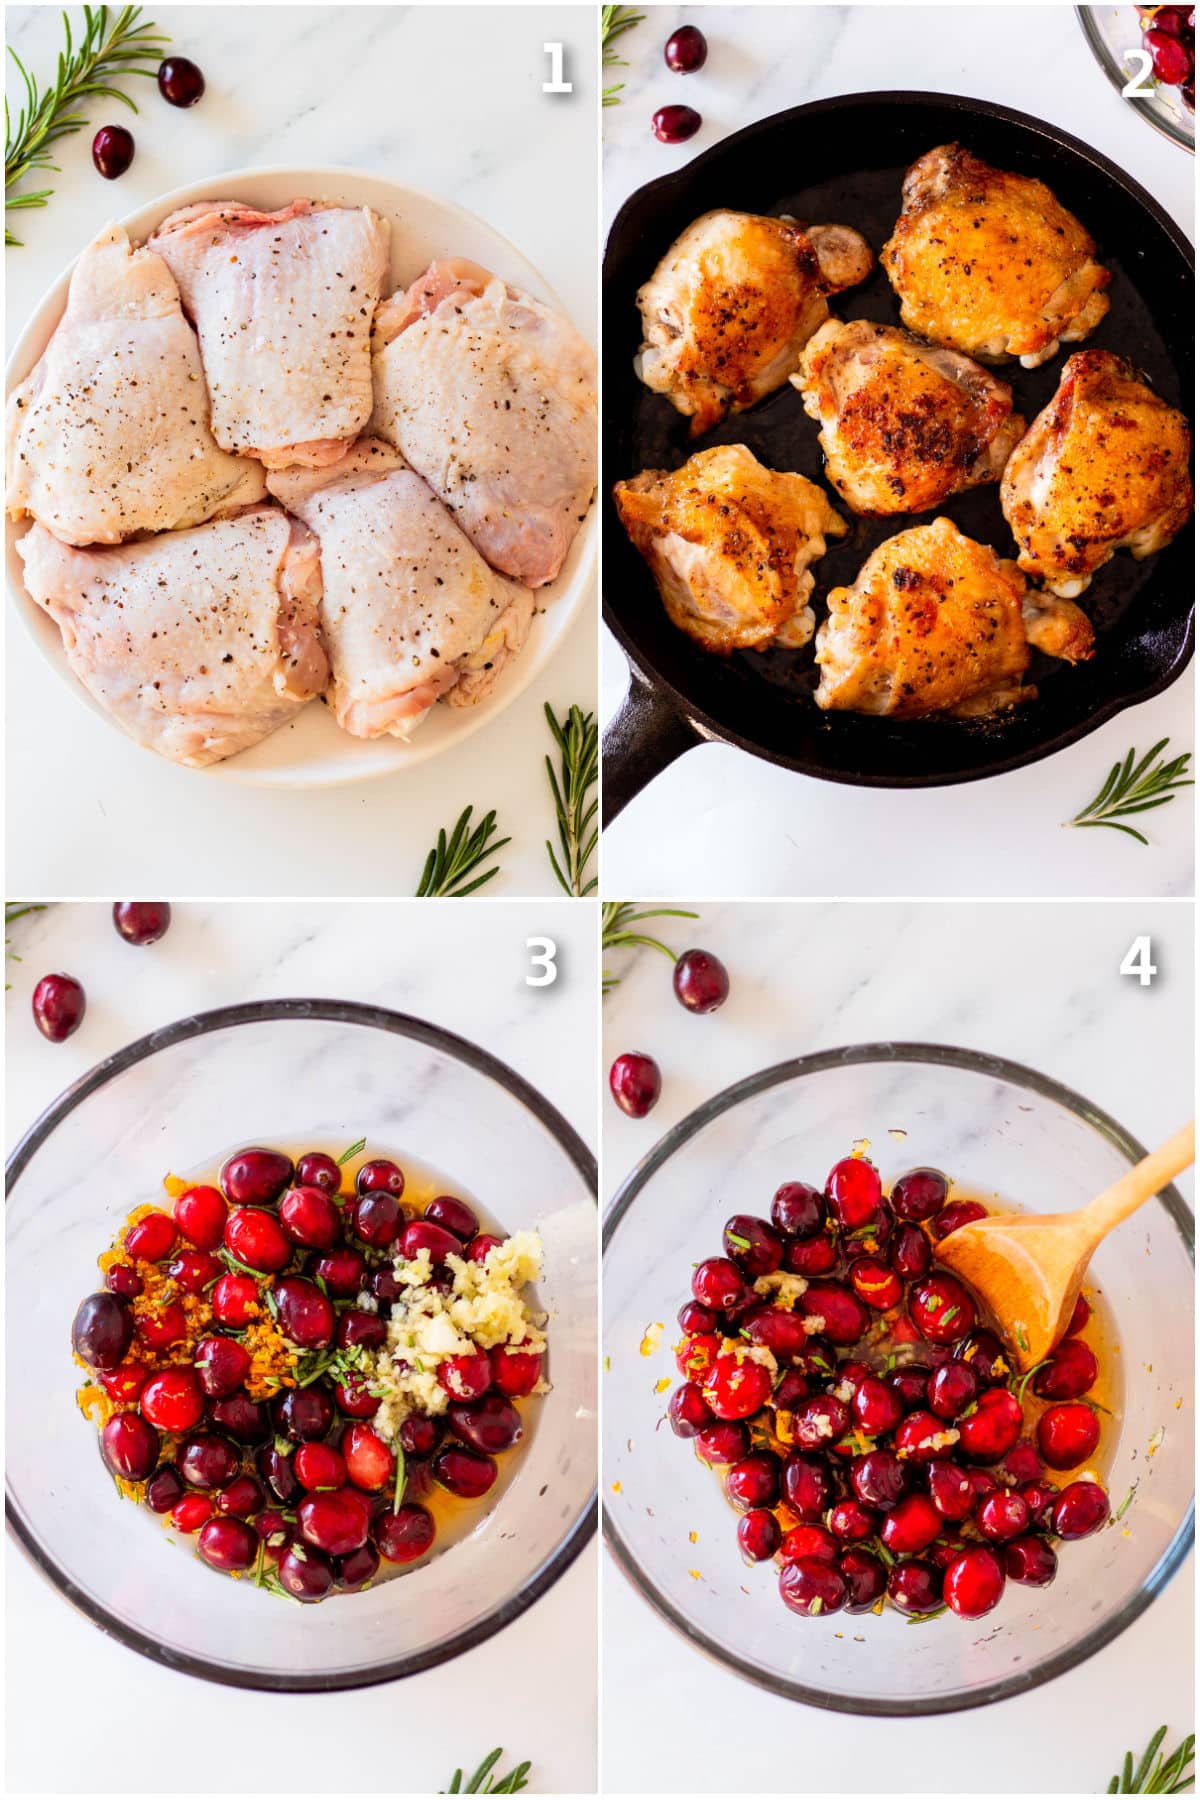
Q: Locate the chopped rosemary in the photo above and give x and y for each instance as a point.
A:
(453, 859)
(1127, 1502)
(351, 1153)
(615, 21)
(1169, 1775)
(482, 1783)
(1135, 788)
(401, 1481)
(1022, 1340)
(578, 741)
(741, 1242)
(617, 916)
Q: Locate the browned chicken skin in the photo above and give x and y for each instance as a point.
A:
(904, 424)
(1104, 467)
(989, 263)
(731, 304)
(729, 544)
(936, 623)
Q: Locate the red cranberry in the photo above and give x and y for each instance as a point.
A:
(753, 1245)
(466, 1377)
(879, 1478)
(129, 1446)
(310, 1217)
(200, 1213)
(356, 1327)
(241, 1499)
(315, 1169)
(877, 1408)
(950, 1489)
(179, 81)
(491, 1425)
(255, 1238)
(405, 1535)
(368, 1461)
(811, 1257)
(1079, 1317)
(319, 1468)
(915, 1587)
(123, 1280)
(919, 1436)
(190, 1513)
(696, 1320)
(686, 50)
(193, 1271)
(818, 1360)
(152, 1239)
(256, 1177)
(228, 1544)
(798, 1210)
(1068, 1434)
(811, 1587)
(841, 1315)
(454, 1215)
(344, 1273)
(207, 1461)
(222, 1365)
(974, 1583)
(354, 1397)
(247, 1420)
(304, 1414)
(1031, 1561)
(918, 1195)
(305, 1314)
(1039, 1497)
(173, 1401)
(420, 1235)
(635, 1082)
(953, 1217)
(516, 1370)
(951, 1389)
(480, 1248)
(984, 1354)
(1079, 1510)
(1070, 1372)
(335, 1523)
(358, 1569)
(909, 1252)
(273, 1529)
(851, 1522)
(911, 1526)
(305, 1573)
(380, 1176)
(722, 1443)
(59, 1004)
(809, 1540)
(377, 1218)
(820, 1422)
(164, 1489)
(754, 1481)
(701, 980)
(855, 1192)
(911, 1384)
(808, 1486)
(758, 1535)
(465, 1472)
(1172, 62)
(735, 1387)
(420, 1436)
(162, 1326)
(865, 1578)
(782, 1332)
(235, 1300)
(695, 1356)
(989, 1431)
(102, 1330)
(983, 1483)
(112, 151)
(941, 1309)
(675, 124)
(790, 1390)
(142, 921)
(125, 1383)
(875, 1283)
(1003, 1515)
(720, 1284)
(276, 1469)
(688, 1411)
(1023, 1463)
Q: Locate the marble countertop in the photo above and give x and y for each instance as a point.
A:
(437, 97)
(720, 822)
(405, 1735)
(1039, 984)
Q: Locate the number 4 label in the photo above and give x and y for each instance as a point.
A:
(542, 951)
(1137, 961)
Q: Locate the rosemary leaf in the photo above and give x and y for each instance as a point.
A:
(1135, 787)
(481, 1782)
(1168, 1775)
(617, 916)
(615, 21)
(578, 741)
(452, 859)
(351, 1153)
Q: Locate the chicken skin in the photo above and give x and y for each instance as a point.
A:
(1104, 467)
(109, 435)
(904, 424)
(733, 302)
(199, 643)
(730, 544)
(936, 623)
(988, 262)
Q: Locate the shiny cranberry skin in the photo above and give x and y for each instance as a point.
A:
(354, 1397)
(310, 1217)
(247, 1420)
(1079, 1510)
(256, 1239)
(1039, 1497)
(357, 1569)
(515, 1371)
(720, 1284)
(865, 1578)
(915, 1587)
(129, 1446)
(1002, 1515)
(911, 1525)
(235, 1300)
(941, 1309)
(466, 1377)
(193, 1271)
(696, 1320)
(854, 1192)
(179, 81)
(123, 1280)
(790, 1390)
(701, 979)
(420, 1436)
(152, 1239)
(798, 1210)
(380, 1176)
(635, 1082)
(344, 1273)
(356, 1327)
(735, 1387)
(675, 124)
(951, 1389)
(841, 1315)
(142, 921)
(227, 1543)
(909, 1252)
(491, 1425)
(420, 1235)
(453, 1215)
(305, 1573)
(758, 1535)
(879, 1478)
(59, 1004)
(974, 1583)
(875, 1283)
(1070, 1372)
(190, 1513)
(950, 1489)
(688, 1411)
(957, 1214)
(808, 1485)
(1172, 62)
(911, 1384)
(782, 1332)
(173, 1401)
(378, 1219)
(304, 1414)
(273, 1529)
(222, 1365)
(722, 1443)
(1023, 1463)
(256, 1177)
(317, 1170)
(200, 1214)
(276, 1470)
(207, 1461)
(162, 1326)
(1079, 1317)
(480, 1248)
(809, 1540)
(164, 1489)
(818, 1361)
(1068, 1434)
(985, 1355)
(991, 1430)
(753, 1245)
(335, 1523)
(368, 1461)
(820, 1422)
(920, 1194)
(1031, 1561)
(241, 1499)
(811, 1257)
(754, 1481)
(811, 1587)
(405, 1535)
(876, 1407)
(851, 1522)
(102, 1330)
(465, 1472)
(695, 1356)
(319, 1468)
(686, 50)
(306, 1316)
(125, 1383)
(983, 1483)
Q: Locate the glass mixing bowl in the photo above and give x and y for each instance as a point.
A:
(1112, 33)
(289, 1070)
(998, 1129)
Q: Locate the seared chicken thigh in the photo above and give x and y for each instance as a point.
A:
(733, 302)
(491, 396)
(904, 424)
(730, 545)
(938, 623)
(109, 435)
(199, 643)
(283, 303)
(411, 611)
(1104, 467)
(989, 263)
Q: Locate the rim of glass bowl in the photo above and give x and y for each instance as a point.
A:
(1166, 121)
(943, 1056)
(343, 1012)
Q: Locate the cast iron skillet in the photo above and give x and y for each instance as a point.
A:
(841, 161)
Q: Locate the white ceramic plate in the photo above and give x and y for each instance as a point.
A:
(313, 751)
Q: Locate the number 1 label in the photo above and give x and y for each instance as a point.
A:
(556, 84)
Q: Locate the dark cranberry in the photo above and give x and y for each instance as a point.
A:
(466, 1377)
(193, 1271)
(1172, 59)
(1070, 1372)
(59, 1004)
(1023, 1463)
(151, 1239)
(974, 1583)
(359, 1568)
(753, 1245)
(480, 1248)
(854, 1192)
(102, 1330)
(983, 1483)
(719, 1283)
(1031, 1561)
(689, 1411)
(305, 1573)
(820, 1422)
(172, 1400)
(722, 1443)
(241, 1499)
(911, 1525)
(490, 1425)
(877, 1408)
(247, 1420)
(951, 1389)
(851, 1522)
(420, 1436)
(695, 1319)
(381, 1176)
(941, 1309)
(179, 81)
(818, 1360)
(273, 1529)
(378, 1219)
(222, 1365)
(405, 1535)
(1039, 1497)
(304, 1414)
(984, 1354)
(207, 1461)
(386, 1287)
(276, 1470)
(701, 979)
(919, 1194)
(319, 1467)
(310, 1218)
(950, 1489)
(879, 1478)
(422, 1234)
(1079, 1510)
(909, 1252)
(228, 1544)
(344, 1273)
(911, 1384)
(989, 1431)
(635, 1082)
(754, 1481)
(129, 1446)
(675, 124)
(357, 1327)
(875, 1283)
(235, 1300)
(515, 1371)
(790, 1390)
(811, 1256)
(315, 1169)
(142, 921)
(354, 1396)
(454, 1215)
(686, 50)
(335, 1523)
(1079, 1317)
(256, 1177)
(838, 1313)
(809, 1540)
(1068, 1434)
(808, 1486)
(865, 1579)
(200, 1213)
(256, 1239)
(1002, 1515)
(782, 1332)
(952, 1217)
(811, 1587)
(758, 1535)
(465, 1472)
(164, 1489)
(123, 1280)
(305, 1314)
(798, 1210)
(915, 1587)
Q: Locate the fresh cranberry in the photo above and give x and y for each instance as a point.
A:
(809, 1540)
(984, 1355)
(811, 1257)
(758, 1535)
(798, 1210)
(164, 1489)
(854, 1192)
(1039, 1497)
(675, 125)
(953, 1217)
(102, 1330)
(719, 1283)
(368, 1461)
(951, 1389)
(151, 1239)
(142, 922)
(190, 1513)
(875, 1283)
(1002, 1515)
(865, 1579)
(974, 1583)
(306, 1316)
(918, 1195)
(909, 1252)
(808, 1485)
(466, 1377)
(256, 1239)
(273, 1529)
(735, 1387)
(754, 1481)
(989, 1431)
(247, 1420)
(380, 1176)
(1079, 1510)
(635, 1082)
(305, 1573)
(241, 1499)
(851, 1522)
(516, 1371)
(941, 1309)
(207, 1461)
(420, 1436)
(920, 1436)
(235, 1300)
(915, 1587)
(304, 1414)
(1022, 1463)
(490, 1425)
(465, 1472)
(358, 1569)
(722, 1443)
(911, 1525)
(812, 1587)
(200, 1214)
(194, 1271)
(753, 1245)
(344, 1273)
(276, 1470)
(879, 1478)
(820, 1422)
(983, 1483)
(256, 1177)
(911, 1384)
(1172, 63)
(123, 1279)
(876, 1407)
(125, 1383)
(701, 981)
(420, 1235)
(1070, 1372)
(405, 1535)
(222, 1365)
(319, 1468)
(695, 1319)
(356, 1327)
(335, 1523)
(317, 1170)
(309, 1217)
(59, 1004)
(480, 1248)
(790, 1390)
(1079, 1317)
(179, 81)
(1031, 1561)
(782, 1332)
(818, 1360)
(1068, 1434)
(129, 1446)
(695, 1356)
(950, 1489)
(454, 1215)
(162, 1326)
(686, 50)
(354, 1396)
(840, 1315)
(173, 1400)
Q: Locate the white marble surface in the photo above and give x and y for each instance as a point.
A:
(718, 822)
(440, 97)
(1040, 984)
(533, 1687)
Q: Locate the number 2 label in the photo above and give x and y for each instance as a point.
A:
(1137, 961)
(543, 951)
(1142, 62)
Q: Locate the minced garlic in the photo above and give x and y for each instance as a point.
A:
(787, 1288)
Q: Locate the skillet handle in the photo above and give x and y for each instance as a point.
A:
(646, 735)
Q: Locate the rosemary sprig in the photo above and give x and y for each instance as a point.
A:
(1135, 788)
(578, 741)
(615, 21)
(481, 1781)
(107, 52)
(351, 1153)
(453, 859)
(1169, 1775)
(615, 920)
(401, 1481)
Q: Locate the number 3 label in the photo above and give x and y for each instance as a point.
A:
(1138, 962)
(543, 951)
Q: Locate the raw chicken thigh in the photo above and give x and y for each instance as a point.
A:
(733, 302)
(199, 643)
(938, 623)
(491, 397)
(1104, 467)
(283, 303)
(729, 543)
(904, 424)
(109, 436)
(989, 263)
(411, 611)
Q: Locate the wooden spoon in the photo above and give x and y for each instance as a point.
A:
(1027, 1268)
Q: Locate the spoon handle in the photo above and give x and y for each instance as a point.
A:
(1139, 1183)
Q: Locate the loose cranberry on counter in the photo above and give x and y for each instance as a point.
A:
(798, 1210)
(142, 922)
(59, 1004)
(256, 1239)
(675, 124)
(686, 50)
(811, 1587)
(1071, 1370)
(315, 1169)
(256, 1177)
(974, 1583)
(758, 1535)
(179, 81)
(1030, 1561)
(102, 1330)
(112, 151)
(129, 1446)
(1068, 1434)
(854, 1192)
(635, 1082)
(701, 981)
(920, 1194)
(173, 1400)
